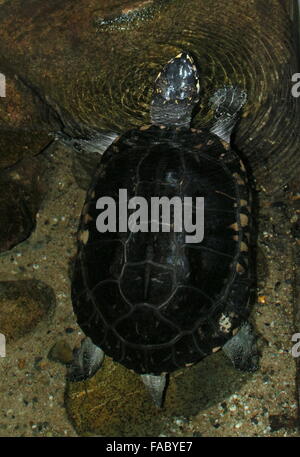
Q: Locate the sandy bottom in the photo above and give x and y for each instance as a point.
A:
(211, 399)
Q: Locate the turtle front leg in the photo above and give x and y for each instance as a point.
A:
(227, 103)
(242, 349)
(86, 361)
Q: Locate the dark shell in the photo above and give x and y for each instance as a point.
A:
(149, 300)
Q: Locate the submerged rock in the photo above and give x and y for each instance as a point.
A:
(21, 193)
(61, 352)
(23, 304)
(115, 402)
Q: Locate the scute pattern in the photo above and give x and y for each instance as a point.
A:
(149, 300)
(148, 283)
(144, 327)
(188, 308)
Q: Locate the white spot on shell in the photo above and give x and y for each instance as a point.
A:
(225, 323)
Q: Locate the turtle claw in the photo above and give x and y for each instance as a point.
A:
(86, 361)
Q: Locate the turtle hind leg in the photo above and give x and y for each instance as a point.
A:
(227, 103)
(86, 361)
(241, 349)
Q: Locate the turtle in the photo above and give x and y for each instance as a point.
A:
(155, 300)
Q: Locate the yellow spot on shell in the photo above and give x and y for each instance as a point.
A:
(85, 209)
(244, 247)
(239, 179)
(242, 166)
(199, 146)
(87, 218)
(244, 220)
(240, 269)
(84, 236)
(225, 144)
(235, 227)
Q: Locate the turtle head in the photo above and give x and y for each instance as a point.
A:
(176, 92)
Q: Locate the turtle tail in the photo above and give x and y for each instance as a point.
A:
(156, 386)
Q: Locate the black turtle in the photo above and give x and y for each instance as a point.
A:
(154, 301)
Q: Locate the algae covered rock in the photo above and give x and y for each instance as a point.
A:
(115, 401)
(23, 304)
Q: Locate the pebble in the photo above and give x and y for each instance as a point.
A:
(61, 352)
